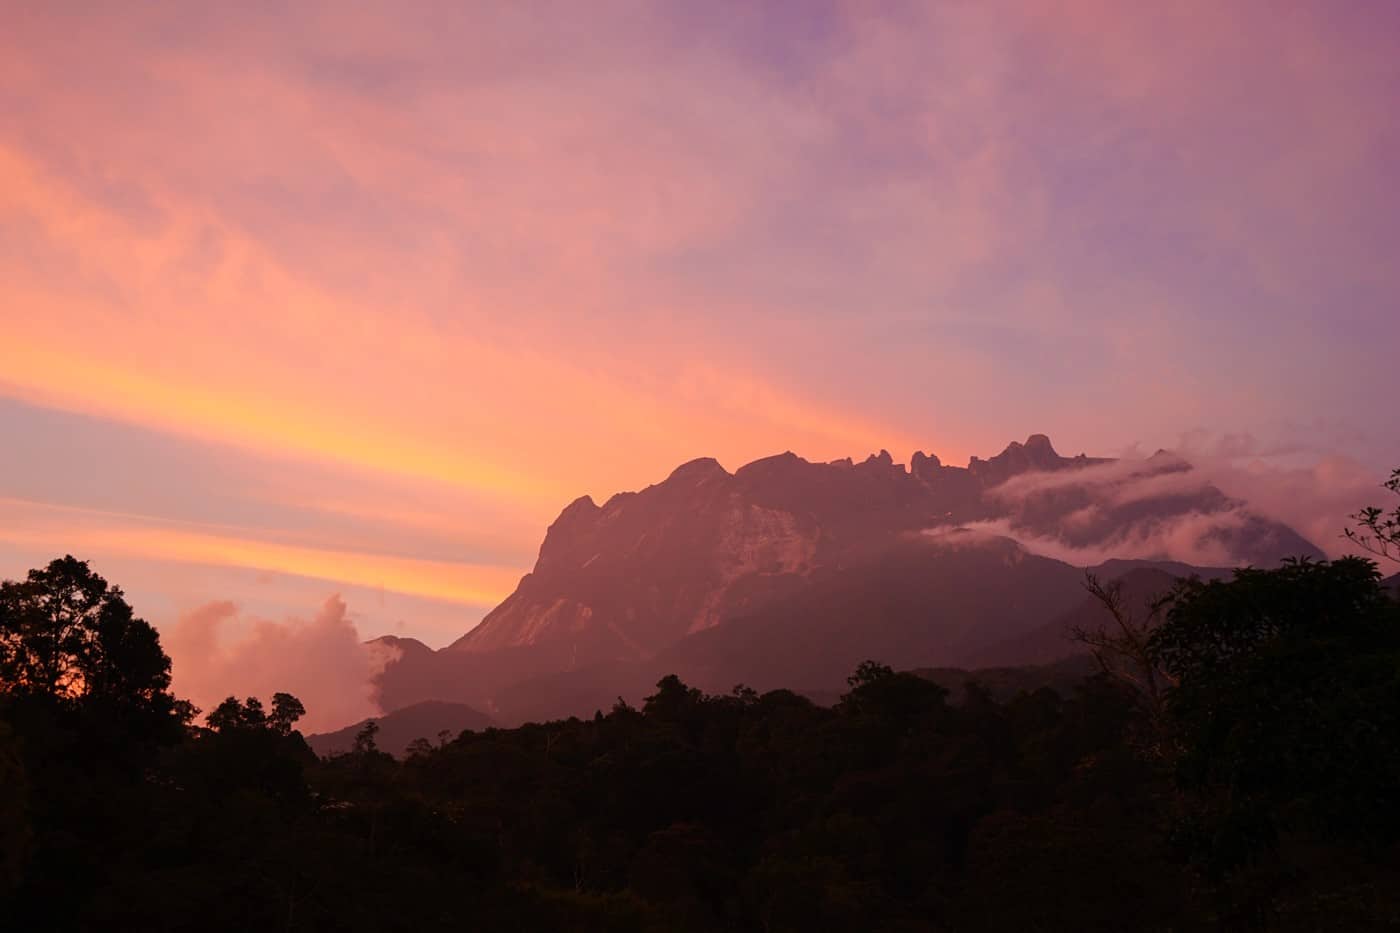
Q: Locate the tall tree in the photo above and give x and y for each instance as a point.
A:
(68, 635)
(286, 710)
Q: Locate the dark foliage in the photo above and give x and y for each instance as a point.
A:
(900, 808)
(1287, 712)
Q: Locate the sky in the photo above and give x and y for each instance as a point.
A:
(317, 314)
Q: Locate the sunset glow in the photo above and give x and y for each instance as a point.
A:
(405, 282)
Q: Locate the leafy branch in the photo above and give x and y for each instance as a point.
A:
(1376, 530)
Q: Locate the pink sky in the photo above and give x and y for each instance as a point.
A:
(317, 302)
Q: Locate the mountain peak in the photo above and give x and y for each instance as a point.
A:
(882, 459)
(697, 471)
(397, 642)
(580, 506)
(1036, 454)
(767, 466)
(924, 466)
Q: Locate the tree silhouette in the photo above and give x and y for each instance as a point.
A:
(898, 699)
(365, 741)
(672, 700)
(1376, 530)
(868, 672)
(68, 635)
(1286, 706)
(895, 809)
(1121, 649)
(231, 715)
(14, 822)
(286, 710)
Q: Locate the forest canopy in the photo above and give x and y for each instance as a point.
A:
(1258, 793)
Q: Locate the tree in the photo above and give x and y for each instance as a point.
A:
(900, 699)
(746, 696)
(84, 690)
(233, 716)
(365, 742)
(66, 634)
(14, 820)
(1377, 531)
(1121, 650)
(230, 715)
(286, 710)
(868, 672)
(1285, 708)
(673, 700)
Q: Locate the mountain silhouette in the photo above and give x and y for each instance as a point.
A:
(397, 730)
(788, 573)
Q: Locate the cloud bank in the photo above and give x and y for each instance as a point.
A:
(216, 652)
(1217, 509)
(1317, 500)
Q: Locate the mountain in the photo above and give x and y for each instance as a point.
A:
(644, 569)
(788, 573)
(398, 729)
(1141, 584)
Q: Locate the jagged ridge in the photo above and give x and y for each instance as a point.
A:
(627, 578)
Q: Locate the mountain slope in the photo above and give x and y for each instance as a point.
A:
(920, 602)
(398, 729)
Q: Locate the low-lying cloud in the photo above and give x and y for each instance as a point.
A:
(217, 652)
(1117, 482)
(1192, 538)
(1316, 501)
(1216, 509)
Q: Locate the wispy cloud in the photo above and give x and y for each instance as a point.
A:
(1192, 538)
(60, 528)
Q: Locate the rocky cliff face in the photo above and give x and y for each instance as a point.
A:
(624, 580)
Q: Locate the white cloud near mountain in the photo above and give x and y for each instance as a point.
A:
(1315, 499)
(217, 652)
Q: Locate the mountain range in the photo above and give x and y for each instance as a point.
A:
(788, 573)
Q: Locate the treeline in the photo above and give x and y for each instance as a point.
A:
(1236, 765)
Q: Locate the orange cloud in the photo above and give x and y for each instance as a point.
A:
(89, 531)
(277, 363)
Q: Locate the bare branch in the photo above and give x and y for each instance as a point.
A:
(1121, 648)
